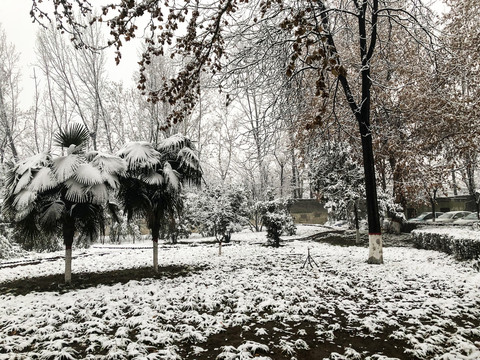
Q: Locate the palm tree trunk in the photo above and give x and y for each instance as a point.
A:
(155, 235)
(68, 265)
(68, 234)
(155, 255)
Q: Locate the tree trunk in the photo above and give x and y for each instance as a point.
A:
(220, 248)
(432, 203)
(374, 227)
(155, 255)
(357, 227)
(155, 235)
(68, 265)
(454, 181)
(6, 126)
(68, 234)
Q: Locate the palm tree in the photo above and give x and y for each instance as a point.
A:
(62, 195)
(152, 184)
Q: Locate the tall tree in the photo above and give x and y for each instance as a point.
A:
(9, 94)
(152, 184)
(62, 195)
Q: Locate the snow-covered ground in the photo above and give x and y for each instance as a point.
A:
(422, 301)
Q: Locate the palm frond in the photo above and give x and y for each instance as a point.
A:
(134, 197)
(76, 192)
(172, 177)
(24, 199)
(114, 210)
(189, 166)
(152, 178)
(90, 155)
(109, 163)
(87, 174)
(43, 180)
(23, 181)
(51, 213)
(65, 166)
(20, 215)
(90, 218)
(26, 231)
(111, 180)
(174, 143)
(98, 193)
(139, 155)
(10, 180)
(74, 134)
(36, 161)
(188, 158)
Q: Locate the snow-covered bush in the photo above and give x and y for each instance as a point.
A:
(463, 244)
(277, 219)
(217, 211)
(390, 209)
(7, 248)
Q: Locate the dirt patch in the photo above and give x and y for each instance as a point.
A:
(275, 334)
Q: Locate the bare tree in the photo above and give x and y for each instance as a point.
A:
(9, 92)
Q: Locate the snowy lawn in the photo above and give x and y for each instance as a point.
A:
(252, 302)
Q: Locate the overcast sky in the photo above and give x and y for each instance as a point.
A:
(17, 23)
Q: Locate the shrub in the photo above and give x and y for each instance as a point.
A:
(7, 249)
(463, 245)
(277, 219)
(217, 211)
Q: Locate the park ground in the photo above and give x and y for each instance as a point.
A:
(252, 302)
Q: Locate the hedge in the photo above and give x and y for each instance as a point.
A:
(461, 243)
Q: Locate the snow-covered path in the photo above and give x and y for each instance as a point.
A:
(422, 301)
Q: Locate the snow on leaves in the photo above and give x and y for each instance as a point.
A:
(430, 301)
(139, 155)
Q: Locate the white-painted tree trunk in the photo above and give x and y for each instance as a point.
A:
(155, 256)
(68, 265)
(375, 255)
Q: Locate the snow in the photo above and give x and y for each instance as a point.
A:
(456, 232)
(430, 300)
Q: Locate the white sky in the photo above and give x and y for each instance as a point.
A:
(17, 23)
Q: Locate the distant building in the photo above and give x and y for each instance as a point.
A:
(446, 204)
(308, 211)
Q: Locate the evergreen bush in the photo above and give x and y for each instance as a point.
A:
(463, 245)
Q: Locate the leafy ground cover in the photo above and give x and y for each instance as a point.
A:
(251, 302)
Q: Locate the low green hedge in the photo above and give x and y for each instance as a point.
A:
(462, 244)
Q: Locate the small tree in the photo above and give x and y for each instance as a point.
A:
(219, 211)
(62, 195)
(277, 218)
(151, 187)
